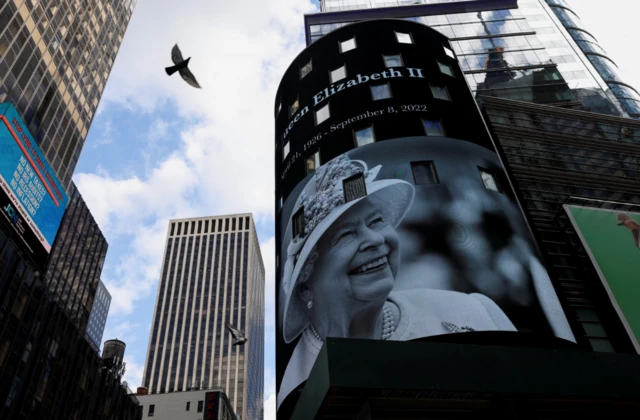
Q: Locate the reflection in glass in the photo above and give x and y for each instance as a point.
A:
(433, 128)
(306, 69)
(379, 92)
(364, 136)
(489, 180)
(338, 74)
(313, 162)
(348, 45)
(322, 114)
(404, 38)
(424, 173)
(446, 69)
(440, 92)
(392, 60)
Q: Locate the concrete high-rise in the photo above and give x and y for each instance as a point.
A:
(527, 50)
(55, 58)
(212, 274)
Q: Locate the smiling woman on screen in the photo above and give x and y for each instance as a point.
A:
(341, 268)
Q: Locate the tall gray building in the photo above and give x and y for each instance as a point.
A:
(528, 50)
(55, 58)
(212, 274)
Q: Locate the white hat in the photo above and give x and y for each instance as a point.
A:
(324, 202)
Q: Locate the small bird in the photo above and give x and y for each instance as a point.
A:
(238, 337)
(181, 65)
(632, 225)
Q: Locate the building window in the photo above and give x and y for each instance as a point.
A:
(348, 45)
(433, 128)
(285, 151)
(448, 51)
(188, 405)
(298, 222)
(152, 410)
(322, 114)
(446, 69)
(489, 180)
(313, 162)
(306, 69)
(424, 173)
(394, 60)
(364, 136)
(294, 107)
(379, 92)
(338, 74)
(200, 406)
(404, 38)
(440, 92)
(354, 187)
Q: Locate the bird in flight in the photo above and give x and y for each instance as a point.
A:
(181, 65)
(632, 225)
(238, 337)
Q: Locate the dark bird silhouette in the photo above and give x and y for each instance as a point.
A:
(181, 65)
(632, 225)
(238, 337)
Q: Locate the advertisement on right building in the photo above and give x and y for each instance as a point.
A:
(612, 240)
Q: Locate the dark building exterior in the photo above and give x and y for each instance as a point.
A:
(558, 157)
(526, 50)
(212, 274)
(55, 58)
(76, 261)
(98, 317)
(47, 367)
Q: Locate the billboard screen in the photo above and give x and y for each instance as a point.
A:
(396, 218)
(32, 199)
(212, 405)
(612, 240)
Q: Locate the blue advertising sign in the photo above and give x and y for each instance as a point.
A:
(31, 196)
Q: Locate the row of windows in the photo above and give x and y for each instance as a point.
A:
(424, 173)
(224, 225)
(390, 61)
(378, 92)
(350, 44)
(152, 408)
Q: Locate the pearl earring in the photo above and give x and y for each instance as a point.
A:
(310, 304)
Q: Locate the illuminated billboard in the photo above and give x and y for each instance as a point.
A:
(396, 218)
(612, 240)
(32, 199)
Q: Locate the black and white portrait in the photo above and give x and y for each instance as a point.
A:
(404, 239)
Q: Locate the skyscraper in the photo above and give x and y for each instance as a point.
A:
(98, 317)
(55, 58)
(527, 50)
(212, 274)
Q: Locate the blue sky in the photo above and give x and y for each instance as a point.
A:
(159, 149)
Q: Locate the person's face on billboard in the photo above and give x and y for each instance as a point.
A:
(358, 254)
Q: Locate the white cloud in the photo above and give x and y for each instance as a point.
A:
(133, 372)
(222, 162)
(158, 130)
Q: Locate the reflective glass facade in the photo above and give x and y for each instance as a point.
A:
(98, 317)
(521, 52)
(627, 95)
(55, 58)
(76, 261)
(212, 274)
(48, 370)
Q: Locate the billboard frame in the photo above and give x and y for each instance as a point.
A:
(603, 280)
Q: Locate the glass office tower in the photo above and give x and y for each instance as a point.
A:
(511, 49)
(55, 58)
(212, 274)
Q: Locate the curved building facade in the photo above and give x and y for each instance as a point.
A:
(396, 218)
(606, 67)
